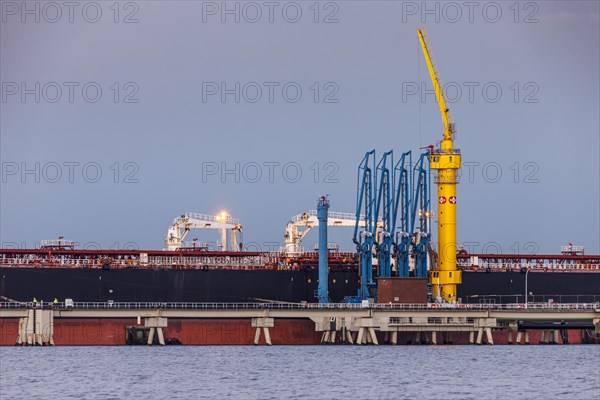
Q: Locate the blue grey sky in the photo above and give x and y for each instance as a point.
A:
(162, 118)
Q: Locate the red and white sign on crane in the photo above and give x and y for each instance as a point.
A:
(442, 200)
(452, 199)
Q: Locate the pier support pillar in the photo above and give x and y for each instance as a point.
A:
(394, 338)
(434, 338)
(555, 337)
(513, 328)
(417, 338)
(359, 338)
(330, 327)
(329, 337)
(548, 336)
(366, 335)
(366, 331)
(159, 333)
(264, 324)
(479, 335)
(257, 336)
(485, 325)
(349, 337)
(155, 324)
(488, 335)
(472, 337)
(267, 336)
(37, 328)
(373, 337)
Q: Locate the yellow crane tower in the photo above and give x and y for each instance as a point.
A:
(446, 160)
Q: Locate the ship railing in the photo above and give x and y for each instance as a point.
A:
(57, 243)
(572, 249)
(315, 254)
(156, 261)
(212, 218)
(330, 214)
(532, 298)
(295, 306)
(274, 261)
(471, 262)
(545, 264)
(300, 217)
(241, 260)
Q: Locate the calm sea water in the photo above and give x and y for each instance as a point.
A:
(302, 372)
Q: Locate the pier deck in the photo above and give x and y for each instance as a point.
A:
(340, 322)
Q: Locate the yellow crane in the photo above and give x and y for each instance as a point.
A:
(446, 160)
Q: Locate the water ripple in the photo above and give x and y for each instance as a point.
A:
(300, 372)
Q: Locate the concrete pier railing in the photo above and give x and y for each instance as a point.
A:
(69, 305)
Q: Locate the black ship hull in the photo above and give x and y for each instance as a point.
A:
(196, 285)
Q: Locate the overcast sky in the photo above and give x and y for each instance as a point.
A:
(162, 97)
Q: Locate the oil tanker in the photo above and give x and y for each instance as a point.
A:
(193, 274)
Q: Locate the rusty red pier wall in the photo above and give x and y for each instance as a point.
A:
(112, 332)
